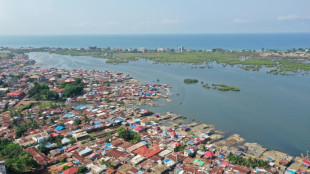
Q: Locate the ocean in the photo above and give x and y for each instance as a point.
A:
(189, 41)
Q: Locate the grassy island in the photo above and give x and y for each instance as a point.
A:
(223, 87)
(190, 81)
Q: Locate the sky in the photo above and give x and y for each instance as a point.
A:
(75, 17)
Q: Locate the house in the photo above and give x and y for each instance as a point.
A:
(137, 160)
(134, 147)
(71, 170)
(80, 136)
(189, 152)
(38, 156)
(217, 170)
(85, 152)
(60, 92)
(16, 95)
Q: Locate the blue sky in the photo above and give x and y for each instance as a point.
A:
(57, 17)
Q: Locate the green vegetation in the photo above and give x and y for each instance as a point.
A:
(65, 167)
(6, 56)
(254, 61)
(223, 87)
(42, 92)
(252, 67)
(16, 159)
(26, 126)
(195, 57)
(25, 106)
(108, 164)
(249, 162)
(190, 81)
(128, 135)
(77, 122)
(180, 148)
(206, 85)
(72, 88)
(81, 170)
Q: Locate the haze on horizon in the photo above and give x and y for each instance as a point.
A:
(74, 17)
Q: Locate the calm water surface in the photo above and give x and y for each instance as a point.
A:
(272, 110)
(193, 41)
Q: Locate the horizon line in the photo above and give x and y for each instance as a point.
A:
(152, 34)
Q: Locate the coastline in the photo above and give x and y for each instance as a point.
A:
(230, 144)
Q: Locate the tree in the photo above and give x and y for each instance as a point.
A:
(128, 135)
(65, 167)
(81, 170)
(86, 119)
(42, 148)
(16, 159)
(77, 122)
(62, 160)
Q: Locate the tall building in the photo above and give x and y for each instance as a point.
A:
(2, 167)
(181, 49)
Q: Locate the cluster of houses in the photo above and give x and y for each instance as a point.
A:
(83, 130)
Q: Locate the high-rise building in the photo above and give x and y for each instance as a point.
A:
(181, 48)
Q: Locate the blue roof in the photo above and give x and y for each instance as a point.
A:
(60, 127)
(290, 171)
(87, 150)
(133, 126)
(97, 122)
(221, 156)
(167, 160)
(80, 107)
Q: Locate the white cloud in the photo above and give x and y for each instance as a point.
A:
(112, 23)
(292, 17)
(287, 17)
(170, 21)
(240, 20)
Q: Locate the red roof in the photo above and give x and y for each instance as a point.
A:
(209, 154)
(72, 148)
(60, 90)
(54, 134)
(37, 155)
(16, 93)
(152, 153)
(306, 162)
(71, 170)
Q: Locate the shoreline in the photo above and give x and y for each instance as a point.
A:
(233, 143)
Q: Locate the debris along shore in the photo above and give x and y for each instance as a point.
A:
(70, 120)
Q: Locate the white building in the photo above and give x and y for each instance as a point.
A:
(181, 48)
(2, 167)
(160, 49)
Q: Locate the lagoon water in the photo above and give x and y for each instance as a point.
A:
(272, 110)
